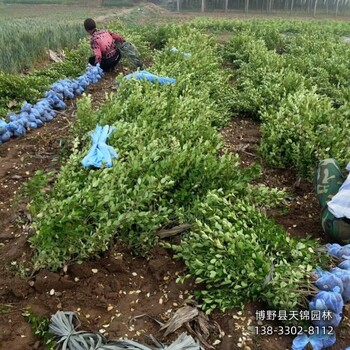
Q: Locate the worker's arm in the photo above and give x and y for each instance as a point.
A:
(117, 37)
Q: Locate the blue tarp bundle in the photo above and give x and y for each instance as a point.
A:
(34, 116)
(100, 154)
(144, 75)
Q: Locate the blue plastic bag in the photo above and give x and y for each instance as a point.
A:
(344, 252)
(2, 127)
(5, 136)
(341, 252)
(328, 281)
(100, 154)
(26, 107)
(333, 249)
(344, 275)
(327, 319)
(331, 301)
(318, 341)
(144, 75)
(345, 265)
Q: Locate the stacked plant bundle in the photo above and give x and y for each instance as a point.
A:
(169, 171)
(17, 88)
(34, 116)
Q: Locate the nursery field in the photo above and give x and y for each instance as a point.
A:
(209, 207)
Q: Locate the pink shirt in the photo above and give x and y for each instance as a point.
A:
(103, 45)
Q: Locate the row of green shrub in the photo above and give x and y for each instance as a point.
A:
(295, 80)
(17, 88)
(25, 42)
(169, 172)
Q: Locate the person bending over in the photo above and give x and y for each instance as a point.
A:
(104, 46)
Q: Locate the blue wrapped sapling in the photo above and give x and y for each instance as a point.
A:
(318, 341)
(145, 75)
(328, 281)
(341, 252)
(345, 265)
(330, 304)
(344, 275)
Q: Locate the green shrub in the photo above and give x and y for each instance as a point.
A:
(290, 132)
(232, 248)
(295, 81)
(15, 88)
(169, 171)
